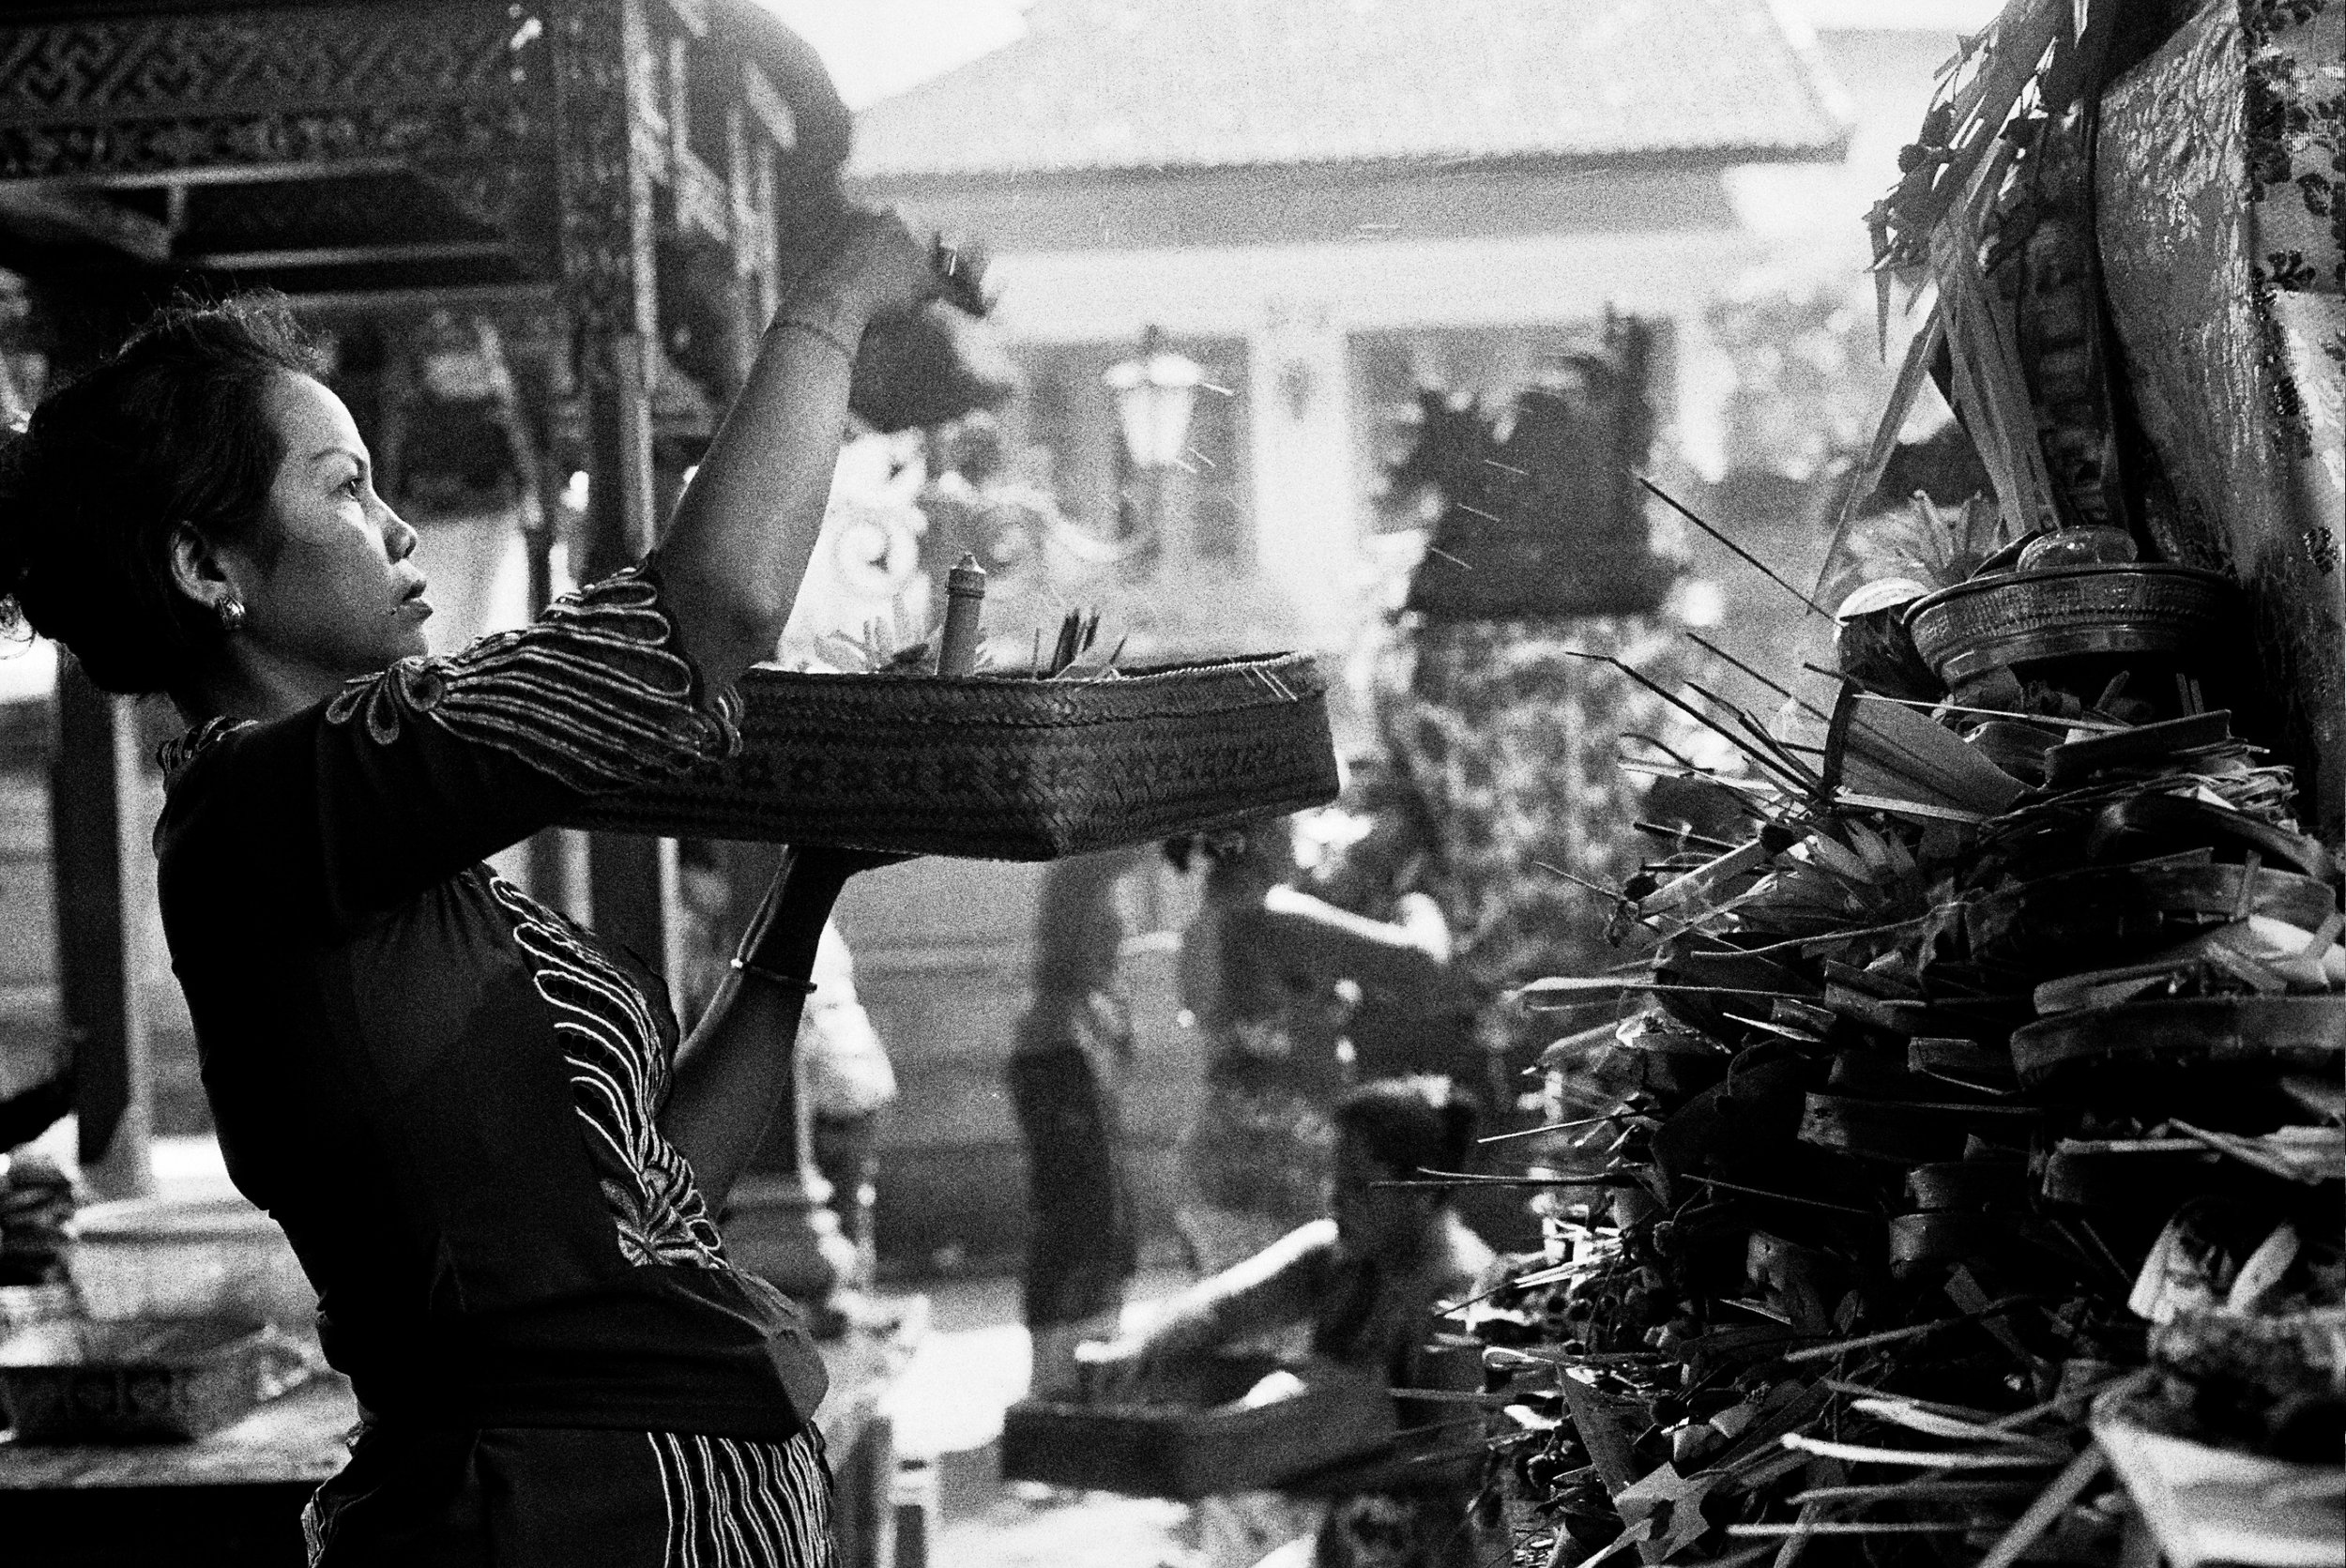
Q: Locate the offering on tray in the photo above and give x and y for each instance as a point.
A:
(1003, 767)
(1218, 1423)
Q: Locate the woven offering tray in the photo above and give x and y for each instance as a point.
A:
(1202, 1437)
(1003, 767)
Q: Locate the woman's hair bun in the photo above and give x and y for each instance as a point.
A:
(172, 428)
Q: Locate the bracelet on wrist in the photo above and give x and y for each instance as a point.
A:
(832, 320)
(773, 977)
(823, 334)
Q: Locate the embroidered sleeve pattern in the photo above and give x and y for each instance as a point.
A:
(177, 754)
(596, 693)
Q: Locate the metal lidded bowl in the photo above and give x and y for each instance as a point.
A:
(2018, 617)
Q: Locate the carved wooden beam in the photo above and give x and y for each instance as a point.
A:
(153, 99)
(59, 212)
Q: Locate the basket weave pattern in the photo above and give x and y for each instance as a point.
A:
(1002, 769)
(2008, 620)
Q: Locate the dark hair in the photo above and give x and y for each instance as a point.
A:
(171, 428)
(1424, 1122)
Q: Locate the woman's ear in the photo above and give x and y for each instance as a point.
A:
(197, 571)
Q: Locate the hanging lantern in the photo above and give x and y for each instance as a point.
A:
(1155, 392)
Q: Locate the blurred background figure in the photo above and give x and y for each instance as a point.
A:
(1072, 1051)
(1270, 975)
(1358, 1285)
(849, 1084)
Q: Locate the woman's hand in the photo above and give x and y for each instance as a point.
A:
(736, 546)
(784, 931)
(874, 265)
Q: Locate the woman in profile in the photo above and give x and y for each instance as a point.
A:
(476, 1121)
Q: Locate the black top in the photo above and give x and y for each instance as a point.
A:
(443, 1091)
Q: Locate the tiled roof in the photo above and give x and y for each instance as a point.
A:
(1133, 85)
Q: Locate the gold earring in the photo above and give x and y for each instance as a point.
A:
(231, 613)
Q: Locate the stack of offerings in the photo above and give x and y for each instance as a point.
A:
(1968, 1172)
(1961, 1183)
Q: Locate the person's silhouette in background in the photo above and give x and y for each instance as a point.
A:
(1074, 1048)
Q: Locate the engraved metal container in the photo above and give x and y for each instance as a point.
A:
(2011, 619)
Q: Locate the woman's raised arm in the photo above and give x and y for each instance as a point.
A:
(737, 544)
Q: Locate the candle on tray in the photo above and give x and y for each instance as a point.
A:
(964, 597)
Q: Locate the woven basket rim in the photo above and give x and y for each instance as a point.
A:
(990, 680)
(1185, 690)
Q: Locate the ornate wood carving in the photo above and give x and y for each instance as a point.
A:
(142, 98)
(603, 182)
(508, 196)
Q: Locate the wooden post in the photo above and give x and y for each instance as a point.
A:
(540, 511)
(605, 93)
(96, 831)
(633, 881)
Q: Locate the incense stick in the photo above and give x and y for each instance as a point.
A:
(1759, 732)
(1760, 566)
(1786, 693)
(1553, 1127)
(1695, 713)
(2105, 725)
(1685, 835)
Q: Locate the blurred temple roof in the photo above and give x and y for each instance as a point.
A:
(1200, 84)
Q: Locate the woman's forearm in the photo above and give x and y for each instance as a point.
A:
(1316, 938)
(736, 547)
(739, 542)
(732, 1077)
(736, 1071)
